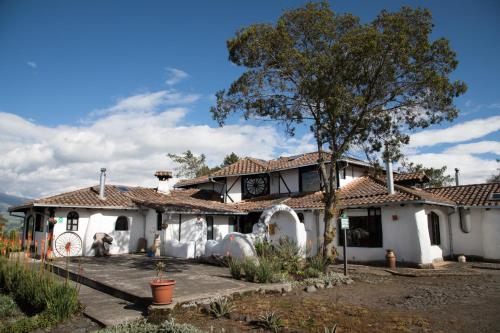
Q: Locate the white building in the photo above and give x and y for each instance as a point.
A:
(420, 225)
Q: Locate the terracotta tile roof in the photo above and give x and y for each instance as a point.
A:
(123, 197)
(247, 165)
(192, 181)
(363, 191)
(410, 176)
(189, 200)
(469, 195)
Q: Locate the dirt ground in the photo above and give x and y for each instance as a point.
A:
(450, 300)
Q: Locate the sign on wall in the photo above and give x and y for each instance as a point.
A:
(344, 222)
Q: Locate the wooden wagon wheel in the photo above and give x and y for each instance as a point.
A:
(68, 244)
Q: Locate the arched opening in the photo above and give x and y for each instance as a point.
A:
(72, 221)
(433, 225)
(121, 223)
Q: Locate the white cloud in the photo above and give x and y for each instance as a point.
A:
(481, 147)
(473, 169)
(32, 64)
(175, 76)
(131, 140)
(462, 132)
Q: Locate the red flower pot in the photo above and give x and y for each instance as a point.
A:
(162, 291)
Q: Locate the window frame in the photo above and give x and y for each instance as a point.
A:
(210, 227)
(38, 227)
(159, 221)
(372, 222)
(245, 194)
(73, 221)
(120, 219)
(434, 228)
(308, 169)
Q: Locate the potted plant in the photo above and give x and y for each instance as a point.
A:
(162, 289)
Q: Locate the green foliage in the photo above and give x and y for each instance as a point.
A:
(142, 326)
(265, 271)
(495, 178)
(8, 308)
(40, 293)
(235, 268)
(318, 263)
(437, 176)
(352, 83)
(270, 321)
(190, 165)
(249, 267)
(332, 329)
(288, 255)
(263, 249)
(220, 307)
(230, 159)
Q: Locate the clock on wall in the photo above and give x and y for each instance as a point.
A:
(255, 185)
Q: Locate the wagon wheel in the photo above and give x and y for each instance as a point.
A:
(68, 244)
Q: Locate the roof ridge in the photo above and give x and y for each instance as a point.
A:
(464, 185)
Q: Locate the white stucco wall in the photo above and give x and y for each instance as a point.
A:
(352, 172)
(235, 191)
(491, 233)
(92, 221)
(221, 227)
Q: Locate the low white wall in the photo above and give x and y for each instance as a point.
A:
(491, 233)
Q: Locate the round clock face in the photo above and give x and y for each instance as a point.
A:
(256, 185)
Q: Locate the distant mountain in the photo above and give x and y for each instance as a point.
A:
(6, 201)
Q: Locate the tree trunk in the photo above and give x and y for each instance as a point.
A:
(330, 216)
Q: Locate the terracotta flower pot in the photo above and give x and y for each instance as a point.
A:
(390, 259)
(162, 291)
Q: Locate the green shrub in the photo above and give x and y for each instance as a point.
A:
(311, 272)
(265, 271)
(333, 329)
(38, 292)
(270, 321)
(288, 255)
(263, 248)
(142, 326)
(220, 307)
(235, 267)
(8, 308)
(318, 262)
(249, 267)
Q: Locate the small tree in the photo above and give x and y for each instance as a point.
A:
(437, 176)
(230, 159)
(351, 83)
(190, 165)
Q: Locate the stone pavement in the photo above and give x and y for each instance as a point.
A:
(117, 288)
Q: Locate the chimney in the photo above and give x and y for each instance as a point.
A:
(390, 176)
(457, 180)
(163, 181)
(102, 184)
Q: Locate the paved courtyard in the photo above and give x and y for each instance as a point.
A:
(131, 275)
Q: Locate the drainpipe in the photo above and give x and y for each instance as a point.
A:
(450, 233)
(390, 177)
(102, 184)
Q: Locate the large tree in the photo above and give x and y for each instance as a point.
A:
(191, 165)
(351, 83)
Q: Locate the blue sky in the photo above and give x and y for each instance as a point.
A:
(71, 71)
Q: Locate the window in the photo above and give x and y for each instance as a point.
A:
(433, 225)
(495, 196)
(72, 221)
(301, 217)
(29, 227)
(309, 179)
(121, 223)
(39, 222)
(255, 185)
(159, 220)
(364, 231)
(233, 224)
(210, 227)
(342, 173)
